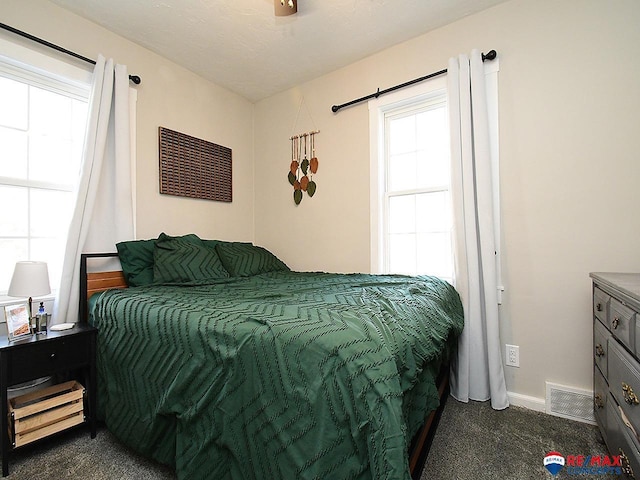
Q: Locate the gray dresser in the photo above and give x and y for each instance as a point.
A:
(616, 371)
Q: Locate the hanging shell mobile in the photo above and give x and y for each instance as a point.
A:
(301, 169)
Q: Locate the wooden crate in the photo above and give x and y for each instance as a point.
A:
(41, 413)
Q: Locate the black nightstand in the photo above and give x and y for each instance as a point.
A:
(35, 356)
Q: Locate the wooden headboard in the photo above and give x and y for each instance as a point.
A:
(95, 282)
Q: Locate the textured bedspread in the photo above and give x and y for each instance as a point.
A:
(278, 376)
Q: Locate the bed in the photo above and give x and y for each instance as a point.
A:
(230, 365)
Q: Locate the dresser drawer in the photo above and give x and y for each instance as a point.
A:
(600, 304)
(624, 381)
(622, 322)
(600, 398)
(600, 338)
(622, 441)
(46, 358)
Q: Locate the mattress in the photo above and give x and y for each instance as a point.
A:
(282, 375)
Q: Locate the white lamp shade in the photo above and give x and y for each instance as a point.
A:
(30, 279)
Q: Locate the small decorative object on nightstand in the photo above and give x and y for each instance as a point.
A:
(42, 319)
(71, 353)
(17, 319)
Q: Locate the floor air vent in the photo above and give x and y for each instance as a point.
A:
(569, 402)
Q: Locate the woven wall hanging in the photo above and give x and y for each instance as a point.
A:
(195, 168)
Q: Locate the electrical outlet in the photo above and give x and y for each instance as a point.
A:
(512, 355)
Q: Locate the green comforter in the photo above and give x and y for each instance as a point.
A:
(281, 375)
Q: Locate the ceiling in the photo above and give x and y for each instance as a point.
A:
(241, 45)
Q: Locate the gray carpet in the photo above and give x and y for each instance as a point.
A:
(73, 455)
(473, 442)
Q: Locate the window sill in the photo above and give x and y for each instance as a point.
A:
(7, 300)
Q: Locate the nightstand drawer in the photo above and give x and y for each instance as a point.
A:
(46, 358)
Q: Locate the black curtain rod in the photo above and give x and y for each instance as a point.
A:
(488, 56)
(134, 78)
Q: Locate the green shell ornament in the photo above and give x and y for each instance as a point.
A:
(311, 188)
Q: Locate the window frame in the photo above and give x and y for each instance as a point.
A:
(397, 101)
(436, 99)
(33, 77)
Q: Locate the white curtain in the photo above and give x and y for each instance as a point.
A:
(103, 213)
(477, 372)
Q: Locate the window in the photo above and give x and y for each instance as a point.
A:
(42, 127)
(411, 170)
(417, 212)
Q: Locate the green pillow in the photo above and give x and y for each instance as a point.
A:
(185, 259)
(210, 243)
(136, 258)
(246, 259)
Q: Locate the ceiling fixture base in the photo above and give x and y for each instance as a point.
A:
(284, 8)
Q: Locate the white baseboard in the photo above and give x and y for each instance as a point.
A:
(532, 403)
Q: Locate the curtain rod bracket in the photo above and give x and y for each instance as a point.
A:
(490, 55)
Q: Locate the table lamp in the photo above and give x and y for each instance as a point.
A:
(30, 279)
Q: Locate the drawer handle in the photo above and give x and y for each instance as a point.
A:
(599, 351)
(615, 323)
(597, 401)
(599, 307)
(52, 356)
(629, 397)
(626, 466)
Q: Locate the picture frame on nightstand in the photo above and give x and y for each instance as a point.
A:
(18, 321)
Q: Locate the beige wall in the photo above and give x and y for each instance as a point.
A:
(569, 103)
(168, 96)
